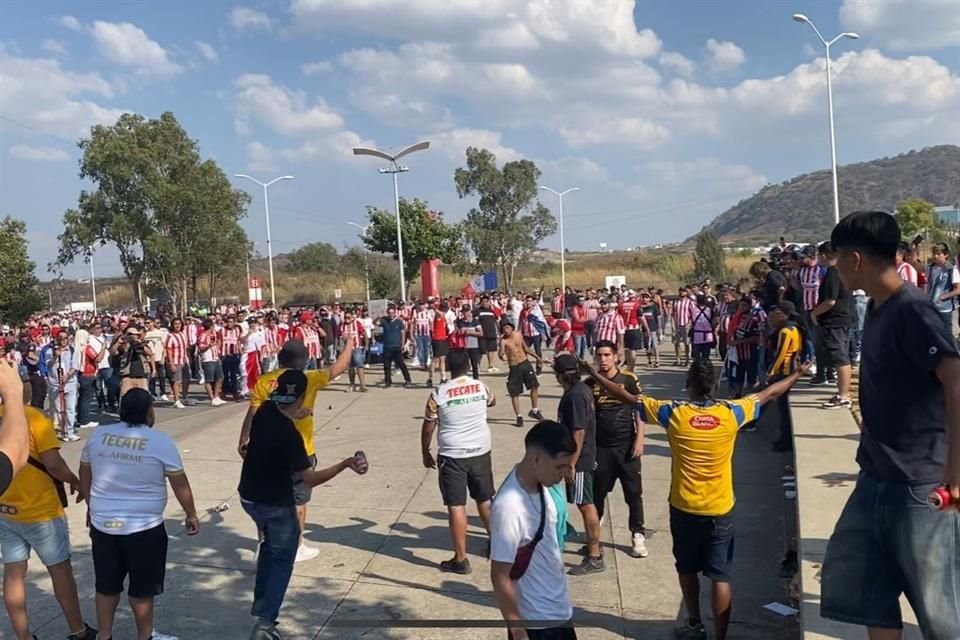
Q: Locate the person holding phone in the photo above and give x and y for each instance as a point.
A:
(526, 562)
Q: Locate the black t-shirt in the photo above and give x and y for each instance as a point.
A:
(904, 436)
(652, 314)
(770, 289)
(6, 472)
(488, 322)
(576, 412)
(615, 424)
(275, 453)
(794, 291)
(831, 288)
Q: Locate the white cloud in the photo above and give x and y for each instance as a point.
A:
(259, 157)
(718, 178)
(723, 55)
(904, 25)
(243, 18)
(39, 92)
(678, 63)
(241, 127)
(55, 47)
(128, 45)
(69, 22)
(314, 68)
(809, 50)
(285, 111)
(207, 51)
(454, 144)
(601, 129)
(43, 154)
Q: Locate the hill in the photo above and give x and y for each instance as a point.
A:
(803, 207)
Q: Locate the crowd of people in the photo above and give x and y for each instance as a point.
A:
(813, 311)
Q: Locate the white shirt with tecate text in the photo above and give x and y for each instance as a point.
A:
(460, 408)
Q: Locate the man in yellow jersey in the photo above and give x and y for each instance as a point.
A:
(702, 432)
(784, 318)
(293, 355)
(32, 519)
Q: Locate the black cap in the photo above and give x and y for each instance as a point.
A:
(565, 363)
(293, 350)
(788, 308)
(291, 385)
(809, 251)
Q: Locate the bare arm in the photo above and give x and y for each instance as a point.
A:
(58, 469)
(777, 389)
(506, 593)
(14, 433)
(613, 389)
(86, 480)
(578, 435)
(948, 371)
(426, 439)
(314, 478)
(184, 495)
(245, 431)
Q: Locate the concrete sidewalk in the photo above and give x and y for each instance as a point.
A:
(382, 535)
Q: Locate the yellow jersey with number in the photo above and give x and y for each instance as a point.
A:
(702, 437)
(316, 380)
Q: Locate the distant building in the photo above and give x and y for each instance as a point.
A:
(949, 214)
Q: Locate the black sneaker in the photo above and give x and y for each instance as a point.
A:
(261, 631)
(429, 382)
(831, 379)
(588, 566)
(519, 421)
(836, 402)
(690, 632)
(387, 385)
(536, 415)
(452, 566)
(407, 384)
(818, 381)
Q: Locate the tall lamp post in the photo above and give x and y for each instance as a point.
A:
(799, 17)
(563, 251)
(395, 169)
(93, 281)
(266, 209)
(366, 271)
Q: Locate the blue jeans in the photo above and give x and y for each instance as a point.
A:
(281, 535)
(423, 350)
(889, 541)
(105, 392)
(856, 331)
(580, 345)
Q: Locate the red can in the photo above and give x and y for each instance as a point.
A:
(940, 498)
(361, 459)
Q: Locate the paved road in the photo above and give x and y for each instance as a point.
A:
(383, 534)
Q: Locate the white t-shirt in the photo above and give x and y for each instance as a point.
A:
(99, 344)
(367, 326)
(542, 592)
(255, 341)
(460, 408)
(156, 338)
(129, 467)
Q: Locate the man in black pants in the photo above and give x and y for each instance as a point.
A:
(619, 444)
(488, 324)
(394, 330)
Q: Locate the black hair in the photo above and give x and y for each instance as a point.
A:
(552, 438)
(135, 407)
(826, 249)
(701, 377)
(569, 377)
(875, 234)
(940, 247)
(606, 343)
(458, 361)
(903, 247)
(506, 323)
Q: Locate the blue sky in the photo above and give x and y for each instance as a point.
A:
(663, 113)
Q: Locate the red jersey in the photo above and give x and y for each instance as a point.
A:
(557, 303)
(440, 329)
(563, 335)
(578, 320)
(310, 338)
(907, 273)
(230, 339)
(356, 331)
(176, 348)
(89, 360)
(628, 311)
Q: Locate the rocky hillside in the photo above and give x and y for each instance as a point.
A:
(803, 207)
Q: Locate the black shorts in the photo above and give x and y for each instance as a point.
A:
(488, 345)
(702, 544)
(520, 376)
(440, 348)
(458, 475)
(834, 346)
(633, 339)
(141, 555)
(580, 490)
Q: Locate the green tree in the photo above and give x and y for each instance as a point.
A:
(425, 235)
(169, 214)
(508, 223)
(916, 216)
(19, 292)
(315, 256)
(384, 281)
(708, 257)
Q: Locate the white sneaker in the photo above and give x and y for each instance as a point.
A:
(164, 398)
(493, 370)
(90, 425)
(179, 405)
(306, 552)
(70, 437)
(813, 370)
(156, 635)
(216, 402)
(639, 549)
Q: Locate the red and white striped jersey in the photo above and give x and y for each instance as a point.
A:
(208, 339)
(356, 331)
(557, 303)
(563, 336)
(683, 312)
(907, 273)
(527, 328)
(271, 336)
(310, 338)
(810, 278)
(405, 312)
(423, 322)
(283, 333)
(610, 326)
(176, 348)
(192, 330)
(230, 339)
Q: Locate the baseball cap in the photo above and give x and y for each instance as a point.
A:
(565, 363)
(809, 251)
(788, 308)
(291, 386)
(294, 349)
(306, 316)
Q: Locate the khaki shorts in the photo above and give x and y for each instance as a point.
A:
(132, 383)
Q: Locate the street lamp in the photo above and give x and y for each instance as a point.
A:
(395, 169)
(266, 209)
(799, 17)
(366, 271)
(563, 256)
(93, 281)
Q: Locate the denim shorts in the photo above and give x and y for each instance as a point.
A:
(50, 540)
(889, 541)
(357, 358)
(702, 544)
